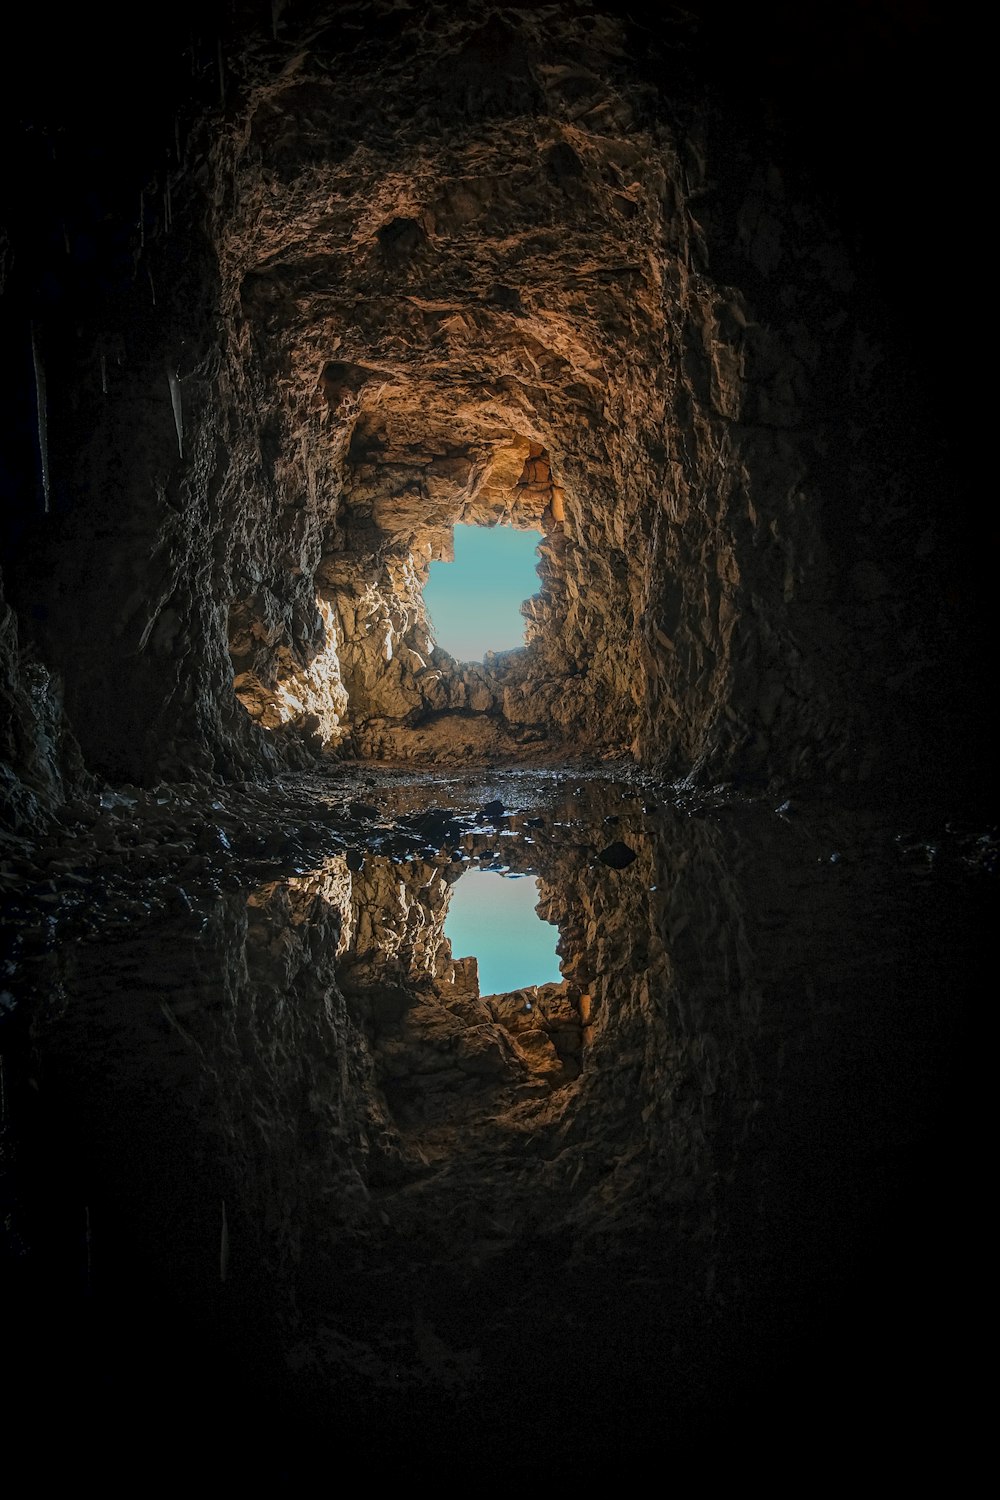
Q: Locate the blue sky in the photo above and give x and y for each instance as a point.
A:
(474, 602)
(492, 918)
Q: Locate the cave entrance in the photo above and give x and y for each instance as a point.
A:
(474, 602)
(492, 917)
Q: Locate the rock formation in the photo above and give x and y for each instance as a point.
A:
(285, 298)
(377, 270)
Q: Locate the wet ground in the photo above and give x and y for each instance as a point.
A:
(278, 1184)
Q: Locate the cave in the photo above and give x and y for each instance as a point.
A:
(288, 296)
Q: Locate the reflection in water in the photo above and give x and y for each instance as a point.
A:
(689, 1186)
(493, 918)
(475, 601)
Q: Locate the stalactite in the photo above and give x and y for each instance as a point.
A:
(104, 374)
(152, 288)
(142, 221)
(222, 76)
(175, 402)
(43, 417)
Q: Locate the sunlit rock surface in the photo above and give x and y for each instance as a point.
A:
(506, 306)
(380, 271)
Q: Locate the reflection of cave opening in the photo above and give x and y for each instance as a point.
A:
(474, 602)
(493, 918)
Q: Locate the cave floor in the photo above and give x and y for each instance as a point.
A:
(279, 1186)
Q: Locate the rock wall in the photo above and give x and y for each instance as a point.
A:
(369, 275)
(541, 255)
(39, 760)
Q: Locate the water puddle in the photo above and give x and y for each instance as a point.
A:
(272, 1113)
(494, 919)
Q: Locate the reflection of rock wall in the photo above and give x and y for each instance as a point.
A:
(319, 1050)
(439, 1047)
(216, 1061)
(293, 1040)
(624, 1076)
(668, 1142)
(665, 947)
(397, 925)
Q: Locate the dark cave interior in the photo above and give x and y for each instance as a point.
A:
(287, 294)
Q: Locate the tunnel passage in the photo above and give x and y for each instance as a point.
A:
(396, 456)
(363, 290)
(372, 673)
(483, 294)
(497, 323)
(408, 695)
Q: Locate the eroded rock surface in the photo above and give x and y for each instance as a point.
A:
(387, 271)
(284, 299)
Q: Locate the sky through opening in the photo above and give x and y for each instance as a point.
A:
(474, 602)
(492, 918)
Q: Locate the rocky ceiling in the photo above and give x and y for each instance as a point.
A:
(297, 296)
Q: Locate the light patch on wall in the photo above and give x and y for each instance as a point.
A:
(312, 692)
(474, 602)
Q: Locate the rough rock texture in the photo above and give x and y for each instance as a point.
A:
(39, 761)
(527, 268)
(374, 271)
(283, 298)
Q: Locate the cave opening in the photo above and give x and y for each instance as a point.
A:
(475, 602)
(450, 616)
